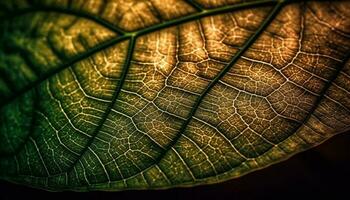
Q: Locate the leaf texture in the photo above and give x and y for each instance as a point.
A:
(113, 95)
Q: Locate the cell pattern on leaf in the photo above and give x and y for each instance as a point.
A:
(113, 95)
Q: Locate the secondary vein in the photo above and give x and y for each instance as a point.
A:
(247, 44)
(115, 40)
(63, 66)
(108, 110)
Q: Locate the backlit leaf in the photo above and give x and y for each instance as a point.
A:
(113, 95)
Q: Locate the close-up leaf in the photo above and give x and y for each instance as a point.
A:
(153, 94)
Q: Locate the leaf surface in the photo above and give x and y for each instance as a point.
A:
(120, 95)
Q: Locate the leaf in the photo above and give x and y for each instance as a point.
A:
(111, 95)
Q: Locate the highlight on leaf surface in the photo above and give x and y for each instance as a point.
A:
(114, 95)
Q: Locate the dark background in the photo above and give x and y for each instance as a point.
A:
(321, 172)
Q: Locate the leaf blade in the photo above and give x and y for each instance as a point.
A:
(132, 116)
